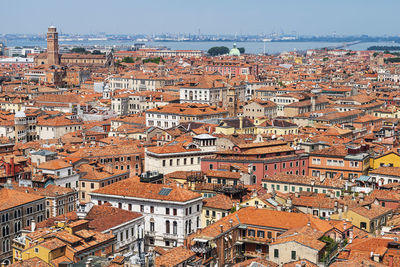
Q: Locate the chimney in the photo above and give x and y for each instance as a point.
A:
(12, 166)
(222, 228)
(240, 122)
(289, 201)
(340, 213)
(88, 263)
(313, 103)
(33, 225)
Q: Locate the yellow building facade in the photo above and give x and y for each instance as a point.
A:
(391, 158)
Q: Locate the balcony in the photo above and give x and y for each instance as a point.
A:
(170, 236)
(255, 254)
(200, 248)
(254, 240)
(229, 189)
(150, 233)
(195, 177)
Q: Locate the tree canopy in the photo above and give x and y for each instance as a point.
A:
(218, 50)
(128, 60)
(155, 60)
(96, 52)
(241, 50)
(79, 50)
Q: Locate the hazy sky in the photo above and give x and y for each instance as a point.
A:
(210, 16)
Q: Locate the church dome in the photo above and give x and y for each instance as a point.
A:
(234, 51)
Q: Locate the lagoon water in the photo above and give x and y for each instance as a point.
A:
(251, 47)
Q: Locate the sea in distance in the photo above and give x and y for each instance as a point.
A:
(250, 47)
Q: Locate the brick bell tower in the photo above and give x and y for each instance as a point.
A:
(52, 46)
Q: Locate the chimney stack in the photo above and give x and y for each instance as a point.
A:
(313, 103)
(33, 225)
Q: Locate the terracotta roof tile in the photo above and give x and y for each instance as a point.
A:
(132, 188)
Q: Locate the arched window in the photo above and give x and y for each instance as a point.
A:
(17, 226)
(6, 230)
(167, 227)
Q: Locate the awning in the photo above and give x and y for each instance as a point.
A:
(200, 240)
(363, 178)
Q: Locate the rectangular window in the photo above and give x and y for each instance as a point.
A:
(260, 234)
(316, 161)
(276, 253)
(251, 233)
(293, 255)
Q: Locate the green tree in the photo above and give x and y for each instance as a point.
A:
(241, 50)
(325, 59)
(79, 50)
(96, 52)
(128, 60)
(218, 50)
(155, 60)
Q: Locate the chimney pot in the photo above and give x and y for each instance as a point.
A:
(33, 225)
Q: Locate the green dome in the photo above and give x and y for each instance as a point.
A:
(234, 51)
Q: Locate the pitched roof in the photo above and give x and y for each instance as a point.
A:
(104, 217)
(371, 213)
(305, 235)
(390, 171)
(31, 262)
(265, 218)
(132, 188)
(174, 257)
(55, 164)
(218, 201)
(10, 198)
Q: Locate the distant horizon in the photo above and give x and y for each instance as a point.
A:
(337, 35)
(253, 17)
